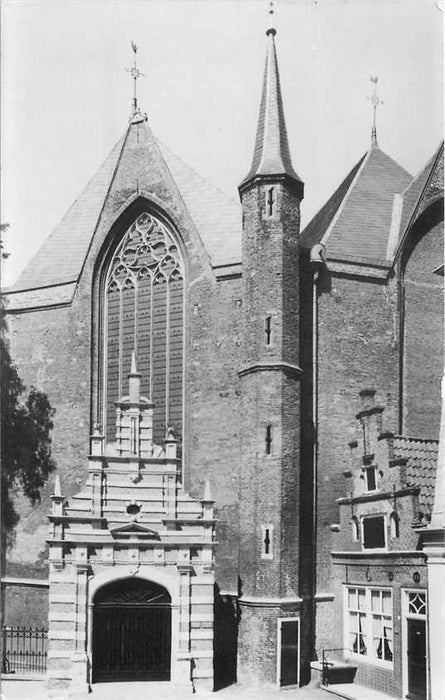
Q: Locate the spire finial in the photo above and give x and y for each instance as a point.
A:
(376, 101)
(133, 363)
(271, 29)
(135, 74)
(57, 487)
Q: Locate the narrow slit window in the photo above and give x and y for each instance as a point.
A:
(268, 329)
(270, 201)
(267, 541)
(268, 439)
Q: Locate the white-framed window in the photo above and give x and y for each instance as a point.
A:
(373, 532)
(368, 623)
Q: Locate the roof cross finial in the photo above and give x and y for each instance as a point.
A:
(135, 74)
(271, 29)
(376, 101)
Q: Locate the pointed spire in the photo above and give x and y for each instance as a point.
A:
(271, 155)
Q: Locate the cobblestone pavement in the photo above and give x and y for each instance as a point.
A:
(35, 690)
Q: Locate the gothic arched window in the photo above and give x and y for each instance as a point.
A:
(143, 311)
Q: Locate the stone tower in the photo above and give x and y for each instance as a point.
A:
(270, 386)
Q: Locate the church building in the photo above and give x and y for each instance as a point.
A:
(249, 473)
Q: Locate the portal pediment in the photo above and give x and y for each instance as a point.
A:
(135, 530)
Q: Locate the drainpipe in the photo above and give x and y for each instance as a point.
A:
(318, 263)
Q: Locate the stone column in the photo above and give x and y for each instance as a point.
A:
(80, 679)
(184, 669)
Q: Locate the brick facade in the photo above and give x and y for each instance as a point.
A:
(279, 342)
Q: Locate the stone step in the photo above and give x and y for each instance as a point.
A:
(353, 691)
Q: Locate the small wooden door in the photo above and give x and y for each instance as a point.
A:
(416, 659)
(289, 651)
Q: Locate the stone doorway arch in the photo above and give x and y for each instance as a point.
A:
(132, 632)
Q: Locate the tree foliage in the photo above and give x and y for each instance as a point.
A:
(26, 424)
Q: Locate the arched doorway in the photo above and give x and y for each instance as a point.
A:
(131, 632)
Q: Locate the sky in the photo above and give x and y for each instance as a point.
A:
(66, 96)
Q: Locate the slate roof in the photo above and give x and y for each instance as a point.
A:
(413, 194)
(271, 154)
(217, 217)
(320, 223)
(355, 222)
(60, 259)
(421, 467)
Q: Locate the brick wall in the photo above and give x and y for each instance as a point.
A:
(358, 348)
(423, 324)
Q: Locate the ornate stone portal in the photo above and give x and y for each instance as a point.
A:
(129, 554)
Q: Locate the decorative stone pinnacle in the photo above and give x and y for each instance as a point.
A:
(57, 487)
(207, 493)
(133, 363)
(170, 434)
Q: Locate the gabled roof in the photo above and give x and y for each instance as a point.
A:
(356, 221)
(314, 231)
(60, 258)
(413, 194)
(421, 467)
(217, 218)
(271, 154)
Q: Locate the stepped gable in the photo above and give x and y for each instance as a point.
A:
(355, 223)
(421, 466)
(136, 160)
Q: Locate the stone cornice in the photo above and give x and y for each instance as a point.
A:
(253, 602)
(267, 366)
(395, 554)
(379, 496)
(29, 582)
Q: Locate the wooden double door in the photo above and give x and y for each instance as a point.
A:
(131, 632)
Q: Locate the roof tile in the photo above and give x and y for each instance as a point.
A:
(421, 467)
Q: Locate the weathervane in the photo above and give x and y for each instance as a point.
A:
(135, 74)
(376, 101)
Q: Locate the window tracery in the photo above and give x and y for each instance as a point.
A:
(143, 311)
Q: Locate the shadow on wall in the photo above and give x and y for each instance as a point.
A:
(225, 644)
